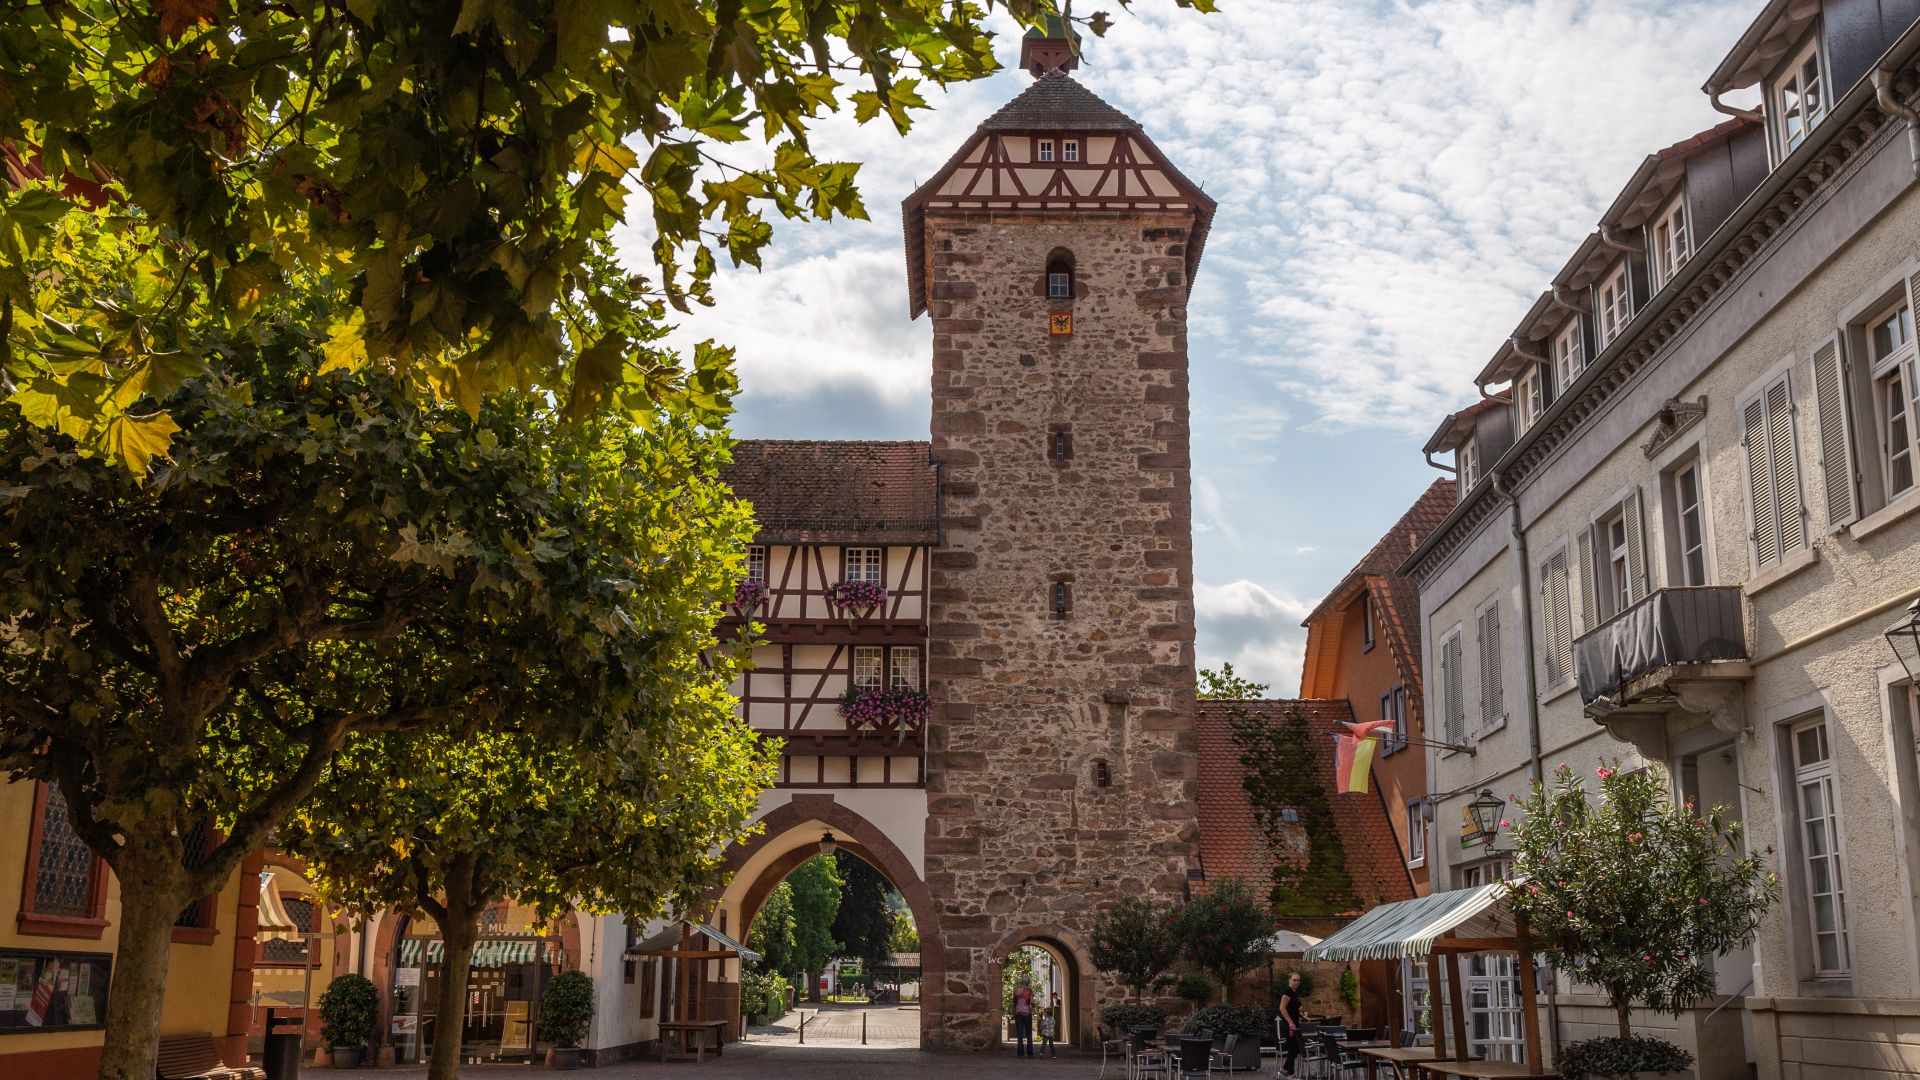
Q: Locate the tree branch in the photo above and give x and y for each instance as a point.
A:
(250, 829)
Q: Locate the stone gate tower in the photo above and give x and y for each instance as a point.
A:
(1055, 252)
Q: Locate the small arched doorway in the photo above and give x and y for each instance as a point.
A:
(1057, 973)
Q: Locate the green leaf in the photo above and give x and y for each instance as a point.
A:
(135, 441)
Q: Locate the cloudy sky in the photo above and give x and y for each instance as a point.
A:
(1396, 183)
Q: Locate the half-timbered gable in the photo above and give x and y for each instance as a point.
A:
(834, 514)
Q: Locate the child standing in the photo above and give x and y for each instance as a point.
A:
(1047, 1028)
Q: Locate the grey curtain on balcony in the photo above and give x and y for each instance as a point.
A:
(1672, 626)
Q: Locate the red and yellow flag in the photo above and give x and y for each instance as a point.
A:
(1353, 755)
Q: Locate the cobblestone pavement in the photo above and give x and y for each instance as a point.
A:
(841, 1025)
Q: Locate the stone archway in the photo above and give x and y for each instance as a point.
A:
(1081, 1022)
(792, 830)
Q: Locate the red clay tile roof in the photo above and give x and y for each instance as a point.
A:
(1396, 598)
(826, 491)
(1231, 842)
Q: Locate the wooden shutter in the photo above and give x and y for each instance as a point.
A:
(1556, 605)
(1786, 473)
(1636, 547)
(1589, 608)
(1454, 696)
(1491, 703)
(1836, 440)
(1766, 538)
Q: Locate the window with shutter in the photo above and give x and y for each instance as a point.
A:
(1589, 608)
(1492, 704)
(1836, 445)
(1773, 475)
(1637, 578)
(1557, 610)
(1452, 689)
(1891, 366)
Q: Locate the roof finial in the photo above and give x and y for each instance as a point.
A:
(1051, 46)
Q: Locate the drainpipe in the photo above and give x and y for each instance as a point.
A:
(1713, 99)
(1567, 300)
(1893, 106)
(1614, 242)
(1523, 576)
(1443, 468)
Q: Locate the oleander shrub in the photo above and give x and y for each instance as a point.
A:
(1615, 1056)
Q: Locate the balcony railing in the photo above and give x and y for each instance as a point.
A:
(1669, 627)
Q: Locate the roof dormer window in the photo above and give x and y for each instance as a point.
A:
(1529, 397)
(1615, 304)
(1045, 151)
(1671, 240)
(1798, 98)
(1469, 466)
(1569, 355)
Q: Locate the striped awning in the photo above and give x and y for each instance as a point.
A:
(274, 923)
(489, 953)
(1410, 927)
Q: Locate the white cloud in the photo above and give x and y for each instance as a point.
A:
(1258, 630)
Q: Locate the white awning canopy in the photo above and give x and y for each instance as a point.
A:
(1410, 927)
(275, 924)
(1290, 943)
(667, 941)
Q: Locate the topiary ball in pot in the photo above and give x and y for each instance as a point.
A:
(348, 1012)
(565, 1010)
(1197, 989)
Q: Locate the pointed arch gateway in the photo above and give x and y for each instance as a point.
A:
(790, 835)
(1071, 976)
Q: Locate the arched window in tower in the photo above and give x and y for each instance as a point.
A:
(1060, 276)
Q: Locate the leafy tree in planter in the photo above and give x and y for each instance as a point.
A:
(1226, 930)
(566, 1008)
(327, 557)
(349, 1009)
(1631, 893)
(1134, 941)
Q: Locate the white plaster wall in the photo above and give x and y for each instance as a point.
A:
(1815, 631)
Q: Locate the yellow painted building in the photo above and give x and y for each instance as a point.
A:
(59, 925)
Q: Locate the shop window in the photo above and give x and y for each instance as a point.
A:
(66, 893)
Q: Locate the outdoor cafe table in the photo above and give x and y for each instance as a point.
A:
(1396, 1056)
(1483, 1070)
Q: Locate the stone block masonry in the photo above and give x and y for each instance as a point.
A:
(1022, 840)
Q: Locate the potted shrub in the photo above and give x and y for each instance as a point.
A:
(1635, 1056)
(1224, 1020)
(348, 1012)
(565, 1010)
(1123, 1018)
(1196, 990)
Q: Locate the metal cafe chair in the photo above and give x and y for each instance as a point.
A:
(1196, 1056)
(1111, 1044)
(1144, 1057)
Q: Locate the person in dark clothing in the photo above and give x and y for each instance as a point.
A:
(1023, 1020)
(1292, 1015)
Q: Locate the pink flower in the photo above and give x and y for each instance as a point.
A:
(1603, 773)
(1703, 899)
(1648, 957)
(1505, 824)
(1634, 836)
(1571, 915)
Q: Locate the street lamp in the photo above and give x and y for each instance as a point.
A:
(1485, 810)
(1904, 637)
(828, 843)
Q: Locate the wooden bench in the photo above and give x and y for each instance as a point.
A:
(193, 1057)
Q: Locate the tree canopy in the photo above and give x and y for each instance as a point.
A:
(451, 171)
(772, 933)
(1135, 942)
(1225, 931)
(449, 825)
(1228, 685)
(863, 925)
(816, 886)
(1631, 893)
(328, 554)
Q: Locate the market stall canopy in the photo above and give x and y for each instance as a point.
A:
(1290, 942)
(667, 943)
(275, 924)
(1410, 927)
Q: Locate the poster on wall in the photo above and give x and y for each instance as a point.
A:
(52, 991)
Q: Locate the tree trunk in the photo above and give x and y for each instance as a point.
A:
(152, 895)
(1623, 1012)
(458, 935)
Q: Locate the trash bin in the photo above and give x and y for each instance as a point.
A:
(280, 1057)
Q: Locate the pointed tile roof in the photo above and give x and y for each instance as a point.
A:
(1057, 102)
